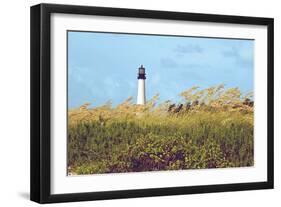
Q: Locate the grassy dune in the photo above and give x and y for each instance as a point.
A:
(213, 129)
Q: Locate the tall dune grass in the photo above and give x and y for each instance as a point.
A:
(213, 129)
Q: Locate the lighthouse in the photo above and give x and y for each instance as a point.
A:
(141, 86)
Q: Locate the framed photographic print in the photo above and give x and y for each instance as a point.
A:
(132, 103)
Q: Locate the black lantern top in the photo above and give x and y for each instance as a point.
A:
(141, 74)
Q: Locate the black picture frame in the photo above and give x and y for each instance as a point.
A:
(41, 99)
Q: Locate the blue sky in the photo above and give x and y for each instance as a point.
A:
(104, 66)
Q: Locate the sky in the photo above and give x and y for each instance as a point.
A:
(103, 66)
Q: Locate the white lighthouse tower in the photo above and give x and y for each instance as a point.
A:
(141, 86)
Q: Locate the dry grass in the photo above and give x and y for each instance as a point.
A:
(214, 128)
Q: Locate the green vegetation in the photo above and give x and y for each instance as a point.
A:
(213, 128)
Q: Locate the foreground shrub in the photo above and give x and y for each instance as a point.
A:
(216, 132)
